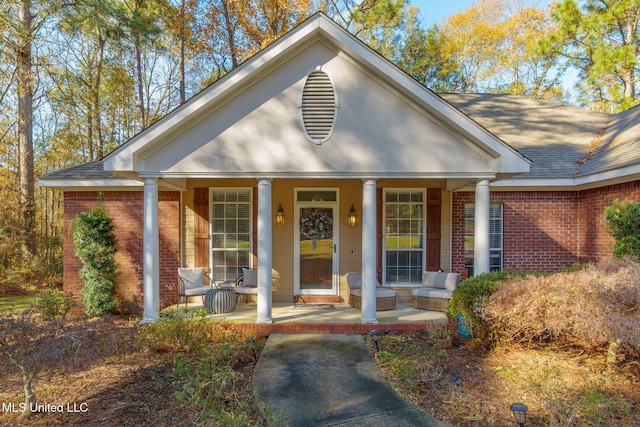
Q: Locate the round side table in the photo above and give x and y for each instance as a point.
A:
(220, 300)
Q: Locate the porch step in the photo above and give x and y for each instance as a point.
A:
(316, 299)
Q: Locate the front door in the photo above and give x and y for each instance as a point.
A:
(316, 242)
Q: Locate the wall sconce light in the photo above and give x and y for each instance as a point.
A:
(280, 216)
(353, 218)
(519, 413)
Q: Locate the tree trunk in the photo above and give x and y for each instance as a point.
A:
(181, 56)
(230, 35)
(25, 126)
(628, 77)
(29, 396)
(629, 73)
(143, 115)
(90, 144)
(96, 100)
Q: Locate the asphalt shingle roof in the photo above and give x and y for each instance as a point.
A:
(554, 137)
(561, 141)
(85, 171)
(618, 144)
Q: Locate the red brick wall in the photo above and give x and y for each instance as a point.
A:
(539, 229)
(548, 230)
(595, 240)
(543, 231)
(126, 210)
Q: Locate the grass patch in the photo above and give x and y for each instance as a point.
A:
(20, 302)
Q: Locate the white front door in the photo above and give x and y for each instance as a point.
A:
(316, 242)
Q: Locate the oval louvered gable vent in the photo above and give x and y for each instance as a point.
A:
(318, 106)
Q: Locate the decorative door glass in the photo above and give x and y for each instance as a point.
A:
(316, 248)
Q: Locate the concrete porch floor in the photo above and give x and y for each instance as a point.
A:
(287, 318)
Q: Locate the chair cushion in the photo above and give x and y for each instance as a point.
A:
(354, 280)
(440, 280)
(431, 293)
(251, 290)
(250, 277)
(380, 292)
(192, 277)
(201, 290)
(385, 293)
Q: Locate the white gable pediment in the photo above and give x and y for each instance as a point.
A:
(385, 125)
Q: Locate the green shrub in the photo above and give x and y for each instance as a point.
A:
(52, 303)
(176, 333)
(471, 296)
(624, 224)
(95, 245)
(181, 332)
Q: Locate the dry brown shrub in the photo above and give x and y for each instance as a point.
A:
(591, 307)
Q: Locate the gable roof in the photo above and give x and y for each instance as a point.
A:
(319, 29)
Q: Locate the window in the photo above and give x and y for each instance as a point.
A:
(495, 236)
(230, 232)
(404, 236)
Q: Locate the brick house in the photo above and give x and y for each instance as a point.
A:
(318, 157)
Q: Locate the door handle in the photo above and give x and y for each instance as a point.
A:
(334, 248)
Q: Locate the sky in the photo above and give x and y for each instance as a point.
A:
(434, 11)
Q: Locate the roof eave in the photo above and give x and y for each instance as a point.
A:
(584, 182)
(89, 184)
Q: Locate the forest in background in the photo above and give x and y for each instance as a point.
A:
(80, 77)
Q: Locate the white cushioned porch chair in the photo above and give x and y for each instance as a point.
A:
(436, 290)
(247, 283)
(385, 298)
(192, 282)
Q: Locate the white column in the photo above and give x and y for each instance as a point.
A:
(369, 279)
(481, 253)
(264, 251)
(151, 255)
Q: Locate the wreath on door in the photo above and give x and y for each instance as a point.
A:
(315, 224)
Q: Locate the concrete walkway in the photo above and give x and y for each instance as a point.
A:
(329, 380)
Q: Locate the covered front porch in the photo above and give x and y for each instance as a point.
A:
(395, 218)
(316, 111)
(335, 318)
